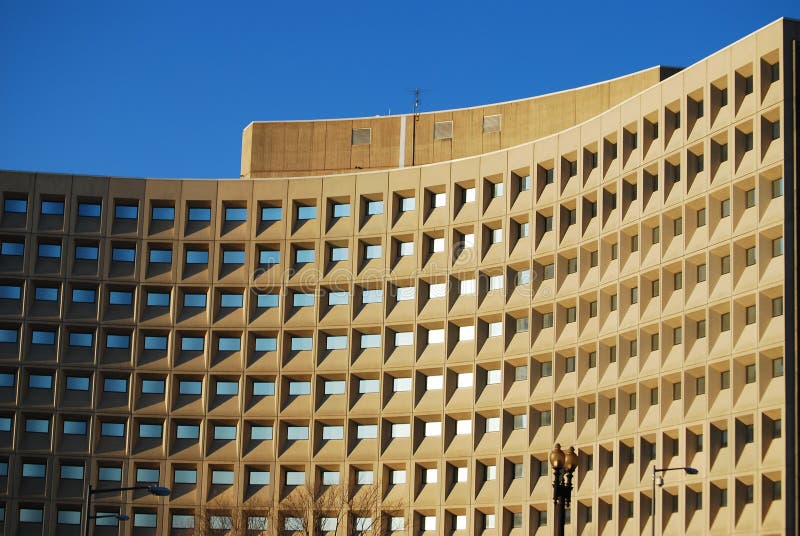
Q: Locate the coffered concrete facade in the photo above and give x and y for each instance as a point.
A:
(611, 267)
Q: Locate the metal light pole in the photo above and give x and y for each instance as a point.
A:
(159, 491)
(660, 481)
(564, 465)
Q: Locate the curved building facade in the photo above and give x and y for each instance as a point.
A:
(414, 309)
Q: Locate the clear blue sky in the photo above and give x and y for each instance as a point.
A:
(164, 89)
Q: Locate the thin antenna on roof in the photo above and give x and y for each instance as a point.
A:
(414, 126)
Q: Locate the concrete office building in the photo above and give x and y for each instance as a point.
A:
(425, 304)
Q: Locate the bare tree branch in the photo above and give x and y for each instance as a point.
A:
(221, 518)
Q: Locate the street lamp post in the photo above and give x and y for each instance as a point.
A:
(563, 464)
(660, 481)
(159, 491)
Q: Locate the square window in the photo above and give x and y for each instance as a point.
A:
(725, 208)
(429, 523)
(126, 212)
(435, 336)
(777, 367)
(401, 385)
(340, 210)
(374, 208)
(339, 254)
(677, 280)
(750, 314)
(725, 322)
(305, 212)
(431, 476)
(235, 214)
(572, 265)
(467, 287)
(654, 341)
(747, 141)
(404, 338)
(572, 216)
(573, 166)
(490, 472)
(199, 213)
(406, 249)
(493, 376)
(725, 379)
(437, 245)
(466, 333)
(777, 306)
(700, 385)
(777, 247)
(750, 374)
(406, 293)
(407, 204)
(464, 380)
(496, 282)
(17, 206)
(701, 273)
(271, 213)
(750, 198)
(303, 256)
(520, 373)
(776, 188)
(750, 256)
(497, 189)
(398, 476)
(492, 424)
(725, 264)
(434, 383)
(433, 429)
